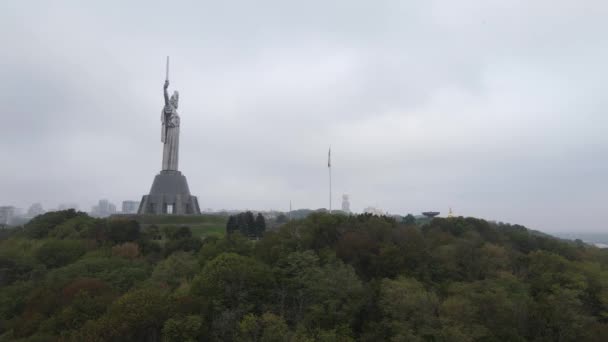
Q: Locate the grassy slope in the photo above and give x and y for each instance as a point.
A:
(201, 225)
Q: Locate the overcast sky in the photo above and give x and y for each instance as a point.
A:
(495, 108)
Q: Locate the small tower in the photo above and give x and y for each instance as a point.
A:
(345, 204)
(450, 213)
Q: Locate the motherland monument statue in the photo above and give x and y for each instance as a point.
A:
(169, 193)
(170, 130)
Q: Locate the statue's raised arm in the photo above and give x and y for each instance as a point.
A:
(165, 92)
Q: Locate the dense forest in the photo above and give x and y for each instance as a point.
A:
(65, 276)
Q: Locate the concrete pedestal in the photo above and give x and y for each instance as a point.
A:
(169, 195)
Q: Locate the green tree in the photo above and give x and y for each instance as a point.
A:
(192, 244)
(338, 296)
(547, 271)
(173, 233)
(87, 299)
(233, 285)
(241, 224)
(177, 268)
(231, 225)
(233, 243)
(73, 227)
(40, 226)
(121, 230)
(410, 310)
(152, 232)
(136, 316)
(409, 220)
(282, 218)
(182, 329)
(296, 275)
(56, 253)
(249, 224)
(120, 273)
(233, 280)
(494, 309)
(266, 328)
(560, 316)
(260, 225)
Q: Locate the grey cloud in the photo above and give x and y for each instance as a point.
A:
(493, 108)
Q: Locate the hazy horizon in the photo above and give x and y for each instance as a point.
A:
(493, 109)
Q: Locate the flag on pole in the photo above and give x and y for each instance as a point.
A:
(329, 158)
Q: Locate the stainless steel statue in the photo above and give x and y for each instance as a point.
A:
(169, 193)
(170, 130)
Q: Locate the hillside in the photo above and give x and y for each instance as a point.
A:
(69, 277)
(200, 225)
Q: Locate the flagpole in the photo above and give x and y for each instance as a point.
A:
(329, 167)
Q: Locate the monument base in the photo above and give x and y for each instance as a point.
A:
(169, 195)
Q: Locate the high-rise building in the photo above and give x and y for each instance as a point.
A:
(345, 203)
(35, 210)
(130, 207)
(6, 215)
(103, 209)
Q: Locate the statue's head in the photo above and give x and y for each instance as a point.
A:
(174, 100)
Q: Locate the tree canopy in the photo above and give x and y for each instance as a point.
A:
(246, 224)
(69, 277)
